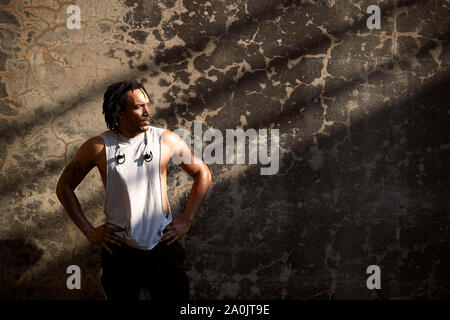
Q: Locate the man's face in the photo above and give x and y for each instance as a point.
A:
(136, 116)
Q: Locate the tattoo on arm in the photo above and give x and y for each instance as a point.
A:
(74, 173)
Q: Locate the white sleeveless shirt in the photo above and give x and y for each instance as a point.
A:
(134, 189)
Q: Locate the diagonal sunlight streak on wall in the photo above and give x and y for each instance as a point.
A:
(27, 123)
(167, 112)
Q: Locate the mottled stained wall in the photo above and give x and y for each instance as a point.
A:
(364, 140)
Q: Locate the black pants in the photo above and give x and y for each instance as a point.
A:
(160, 270)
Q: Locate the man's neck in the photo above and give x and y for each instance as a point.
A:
(127, 134)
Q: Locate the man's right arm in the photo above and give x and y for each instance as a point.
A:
(71, 177)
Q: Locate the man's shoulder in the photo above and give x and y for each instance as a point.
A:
(97, 140)
(94, 145)
(163, 132)
(169, 136)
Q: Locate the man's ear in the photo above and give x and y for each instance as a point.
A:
(119, 114)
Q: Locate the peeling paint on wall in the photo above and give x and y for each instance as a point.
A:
(364, 143)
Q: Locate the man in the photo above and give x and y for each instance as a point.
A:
(132, 159)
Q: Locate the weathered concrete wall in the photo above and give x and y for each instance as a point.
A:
(364, 140)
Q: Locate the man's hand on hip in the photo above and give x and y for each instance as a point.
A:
(176, 230)
(104, 234)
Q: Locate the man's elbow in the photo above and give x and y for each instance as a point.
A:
(205, 177)
(59, 188)
(208, 177)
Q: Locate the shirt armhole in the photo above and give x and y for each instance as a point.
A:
(106, 161)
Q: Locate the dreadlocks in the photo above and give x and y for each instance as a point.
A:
(115, 100)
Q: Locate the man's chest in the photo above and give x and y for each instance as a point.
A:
(102, 160)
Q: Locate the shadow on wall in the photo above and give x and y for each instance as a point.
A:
(17, 257)
(18, 282)
(310, 233)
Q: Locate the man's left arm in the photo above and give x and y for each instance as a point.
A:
(198, 170)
